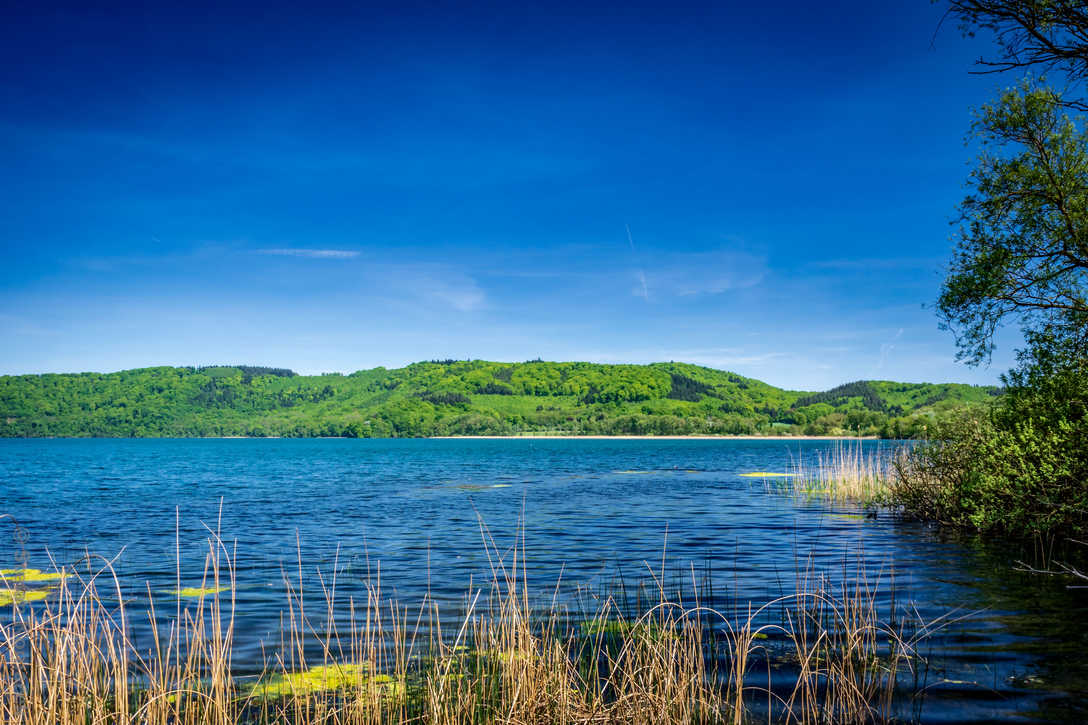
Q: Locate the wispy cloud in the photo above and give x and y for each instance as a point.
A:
(886, 349)
(311, 253)
(465, 296)
(23, 326)
(727, 357)
(642, 290)
(430, 286)
(697, 273)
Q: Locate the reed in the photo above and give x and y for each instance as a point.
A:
(74, 658)
(846, 474)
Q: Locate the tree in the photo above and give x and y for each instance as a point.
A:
(1022, 255)
(1023, 244)
(1043, 35)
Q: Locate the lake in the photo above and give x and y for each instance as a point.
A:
(596, 517)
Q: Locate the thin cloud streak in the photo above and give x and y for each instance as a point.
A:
(704, 273)
(311, 253)
(886, 349)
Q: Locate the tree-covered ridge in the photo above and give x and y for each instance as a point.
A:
(454, 397)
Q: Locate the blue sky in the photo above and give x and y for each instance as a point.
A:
(330, 190)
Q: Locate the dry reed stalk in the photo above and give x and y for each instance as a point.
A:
(847, 474)
(72, 659)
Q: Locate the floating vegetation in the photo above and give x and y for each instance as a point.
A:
(196, 591)
(17, 596)
(606, 626)
(622, 629)
(766, 474)
(328, 678)
(482, 487)
(32, 575)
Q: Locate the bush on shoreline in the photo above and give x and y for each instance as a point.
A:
(1021, 469)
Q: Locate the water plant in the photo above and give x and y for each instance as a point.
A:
(73, 657)
(336, 677)
(15, 596)
(848, 474)
(31, 575)
(196, 591)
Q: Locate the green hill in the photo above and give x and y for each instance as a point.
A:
(462, 398)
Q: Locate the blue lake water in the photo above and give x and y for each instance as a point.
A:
(594, 512)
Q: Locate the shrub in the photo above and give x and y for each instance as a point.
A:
(1021, 468)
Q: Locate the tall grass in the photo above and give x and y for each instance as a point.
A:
(820, 654)
(847, 473)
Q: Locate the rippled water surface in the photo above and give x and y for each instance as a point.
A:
(595, 512)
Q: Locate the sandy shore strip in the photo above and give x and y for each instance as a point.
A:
(532, 437)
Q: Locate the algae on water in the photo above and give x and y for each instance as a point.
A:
(13, 596)
(327, 678)
(196, 591)
(32, 575)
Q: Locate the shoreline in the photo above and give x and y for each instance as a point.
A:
(656, 438)
(530, 437)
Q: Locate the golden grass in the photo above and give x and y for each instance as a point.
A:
(72, 658)
(846, 474)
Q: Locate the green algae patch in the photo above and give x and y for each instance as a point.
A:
(607, 626)
(32, 575)
(766, 474)
(619, 629)
(633, 473)
(328, 678)
(196, 591)
(14, 596)
(481, 487)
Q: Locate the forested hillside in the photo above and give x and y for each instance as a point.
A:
(453, 397)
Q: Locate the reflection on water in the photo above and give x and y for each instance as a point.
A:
(598, 513)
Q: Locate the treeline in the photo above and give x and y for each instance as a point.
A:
(464, 397)
(861, 390)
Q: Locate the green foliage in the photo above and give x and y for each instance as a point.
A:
(1023, 244)
(862, 390)
(1022, 257)
(444, 398)
(458, 397)
(685, 388)
(1021, 469)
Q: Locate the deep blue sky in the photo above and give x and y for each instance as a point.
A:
(308, 187)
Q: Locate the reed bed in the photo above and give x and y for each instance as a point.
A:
(847, 474)
(820, 654)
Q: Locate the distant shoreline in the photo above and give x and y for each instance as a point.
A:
(660, 438)
(530, 437)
